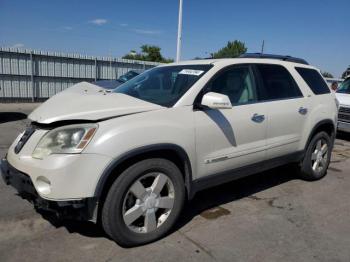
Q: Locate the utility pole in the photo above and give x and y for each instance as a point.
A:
(262, 46)
(179, 33)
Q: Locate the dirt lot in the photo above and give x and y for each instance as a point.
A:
(271, 216)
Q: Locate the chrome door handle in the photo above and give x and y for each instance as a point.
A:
(258, 118)
(302, 111)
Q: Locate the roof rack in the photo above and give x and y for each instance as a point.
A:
(278, 57)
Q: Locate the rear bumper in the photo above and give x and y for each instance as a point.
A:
(84, 209)
(343, 126)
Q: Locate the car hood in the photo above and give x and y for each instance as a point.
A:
(85, 101)
(344, 99)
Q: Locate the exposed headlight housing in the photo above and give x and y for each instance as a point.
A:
(65, 140)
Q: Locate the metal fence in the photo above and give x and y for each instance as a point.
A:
(37, 75)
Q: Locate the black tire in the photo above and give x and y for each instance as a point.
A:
(112, 214)
(306, 170)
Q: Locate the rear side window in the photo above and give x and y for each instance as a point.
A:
(277, 83)
(313, 80)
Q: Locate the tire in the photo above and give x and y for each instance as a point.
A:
(313, 153)
(127, 199)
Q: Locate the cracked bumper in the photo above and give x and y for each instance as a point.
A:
(83, 209)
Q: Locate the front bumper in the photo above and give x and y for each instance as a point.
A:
(84, 209)
(343, 126)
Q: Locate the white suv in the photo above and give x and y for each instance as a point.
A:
(129, 158)
(343, 96)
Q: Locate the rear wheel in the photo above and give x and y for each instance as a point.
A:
(144, 202)
(317, 157)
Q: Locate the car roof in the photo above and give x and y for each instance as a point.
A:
(227, 61)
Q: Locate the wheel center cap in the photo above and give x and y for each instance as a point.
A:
(150, 202)
(319, 155)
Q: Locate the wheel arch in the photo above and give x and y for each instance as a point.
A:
(326, 125)
(171, 152)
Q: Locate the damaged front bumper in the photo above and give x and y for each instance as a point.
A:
(82, 209)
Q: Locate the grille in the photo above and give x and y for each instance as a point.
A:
(26, 135)
(345, 118)
(344, 110)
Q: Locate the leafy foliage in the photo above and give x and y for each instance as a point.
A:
(327, 74)
(231, 50)
(148, 53)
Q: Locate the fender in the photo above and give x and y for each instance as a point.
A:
(142, 150)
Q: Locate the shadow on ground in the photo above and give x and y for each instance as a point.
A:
(233, 191)
(11, 116)
(343, 136)
(85, 228)
(203, 201)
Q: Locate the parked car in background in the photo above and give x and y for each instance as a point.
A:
(330, 81)
(129, 158)
(111, 84)
(346, 73)
(343, 96)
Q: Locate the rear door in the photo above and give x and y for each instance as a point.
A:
(287, 109)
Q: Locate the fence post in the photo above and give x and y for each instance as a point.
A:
(95, 69)
(32, 76)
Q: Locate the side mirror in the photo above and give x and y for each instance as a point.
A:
(216, 101)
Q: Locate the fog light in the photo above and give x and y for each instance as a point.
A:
(43, 185)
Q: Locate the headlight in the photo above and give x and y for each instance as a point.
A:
(65, 140)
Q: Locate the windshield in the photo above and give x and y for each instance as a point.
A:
(344, 87)
(163, 85)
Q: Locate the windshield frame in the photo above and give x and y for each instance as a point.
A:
(136, 84)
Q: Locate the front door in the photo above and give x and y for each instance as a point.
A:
(231, 138)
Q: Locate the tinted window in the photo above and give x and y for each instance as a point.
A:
(314, 80)
(277, 83)
(237, 83)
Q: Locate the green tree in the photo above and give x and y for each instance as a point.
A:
(148, 53)
(231, 50)
(327, 74)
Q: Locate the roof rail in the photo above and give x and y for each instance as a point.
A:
(278, 57)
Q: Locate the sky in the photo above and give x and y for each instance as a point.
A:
(316, 30)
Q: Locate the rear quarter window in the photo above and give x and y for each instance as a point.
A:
(314, 80)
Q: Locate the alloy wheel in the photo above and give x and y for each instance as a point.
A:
(148, 202)
(319, 157)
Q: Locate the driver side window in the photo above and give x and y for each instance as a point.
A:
(237, 83)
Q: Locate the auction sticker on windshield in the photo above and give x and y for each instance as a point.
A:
(191, 72)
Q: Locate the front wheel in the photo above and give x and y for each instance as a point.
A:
(144, 202)
(317, 157)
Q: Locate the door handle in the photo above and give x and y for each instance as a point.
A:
(258, 118)
(302, 111)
